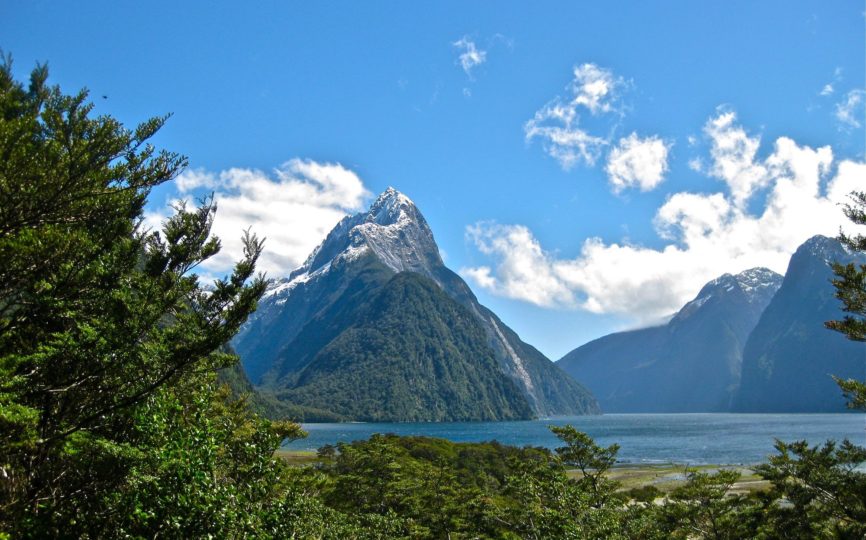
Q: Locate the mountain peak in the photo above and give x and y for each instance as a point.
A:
(818, 241)
(750, 282)
(347, 269)
(393, 194)
(396, 233)
(756, 284)
(754, 280)
(393, 230)
(821, 247)
(391, 207)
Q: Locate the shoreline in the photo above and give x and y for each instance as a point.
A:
(664, 476)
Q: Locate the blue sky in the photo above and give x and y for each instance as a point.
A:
(585, 166)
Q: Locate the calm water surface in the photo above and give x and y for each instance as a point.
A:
(643, 438)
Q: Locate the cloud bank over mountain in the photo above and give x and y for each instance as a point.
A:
(293, 207)
(764, 209)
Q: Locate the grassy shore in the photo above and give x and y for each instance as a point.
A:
(665, 477)
(297, 457)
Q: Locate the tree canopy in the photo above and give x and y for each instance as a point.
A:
(109, 410)
(851, 290)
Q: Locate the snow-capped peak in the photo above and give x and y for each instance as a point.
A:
(756, 284)
(391, 207)
(750, 282)
(393, 230)
(821, 247)
(396, 232)
(754, 280)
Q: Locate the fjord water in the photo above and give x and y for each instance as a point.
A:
(694, 439)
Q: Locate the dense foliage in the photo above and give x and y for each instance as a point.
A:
(407, 353)
(432, 488)
(265, 403)
(850, 285)
(111, 423)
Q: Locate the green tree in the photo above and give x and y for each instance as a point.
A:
(824, 489)
(591, 460)
(851, 290)
(111, 421)
(705, 508)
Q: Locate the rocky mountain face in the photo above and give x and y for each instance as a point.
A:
(374, 326)
(790, 357)
(691, 364)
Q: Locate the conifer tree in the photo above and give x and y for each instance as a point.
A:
(851, 290)
(111, 421)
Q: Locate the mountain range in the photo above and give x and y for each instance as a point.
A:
(751, 342)
(790, 359)
(374, 327)
(690, 364)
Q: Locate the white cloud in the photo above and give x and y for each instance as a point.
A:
(526, 272)
(595, 88)
(557, 124)
(734, 156)
(471, 56)
(637, 162)
(569, 145)
(704, 235)
(696, 164)
(482, 275)
(830, 88)
(687, 217)
(192, 179)
(293, 207)
(850, 111)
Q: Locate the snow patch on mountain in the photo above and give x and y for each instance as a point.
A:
(281, 288)
(756, 281)
(753, 282)
(393, 229)
(756, 284)
(830, 250)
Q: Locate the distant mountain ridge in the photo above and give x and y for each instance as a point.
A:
(753, 342)
(319, 339)
(690, 364)
(790, 358)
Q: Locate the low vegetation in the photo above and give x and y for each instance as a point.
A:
(432, 488)
(113, 423)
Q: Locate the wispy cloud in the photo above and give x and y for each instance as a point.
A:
(593, 89)
(850, 111)
(293, 207)
(829, 88)
(470, 55)
(636, 162)
(702, 235)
